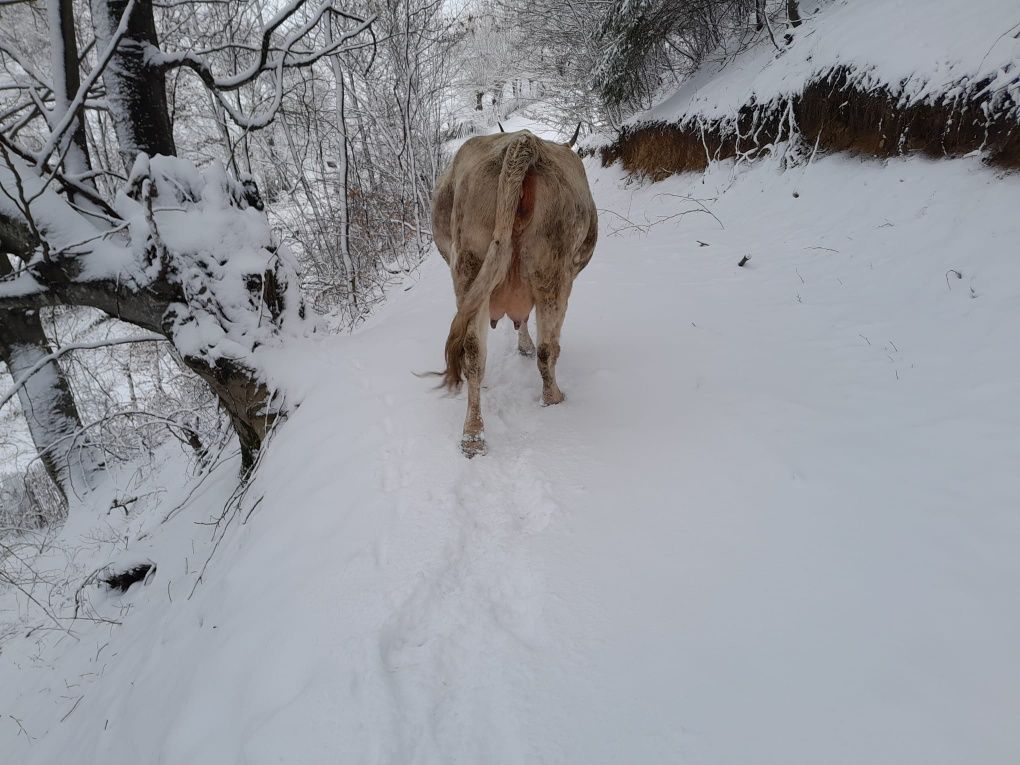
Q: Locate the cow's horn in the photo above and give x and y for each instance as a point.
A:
(573, 138)
(501, 130)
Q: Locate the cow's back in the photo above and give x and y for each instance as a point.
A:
(464, 205)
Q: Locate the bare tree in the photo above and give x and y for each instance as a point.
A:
(216, 300)
(353, 157)
(46, 399)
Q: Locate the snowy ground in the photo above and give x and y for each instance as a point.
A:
(775, 521)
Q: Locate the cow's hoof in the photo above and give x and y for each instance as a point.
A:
(552, 397)
(527, 352)
(473, 446)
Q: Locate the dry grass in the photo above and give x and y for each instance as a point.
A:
(836, 114)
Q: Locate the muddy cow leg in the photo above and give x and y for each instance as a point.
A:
(525, 345)
(550, 314)
(473, 441)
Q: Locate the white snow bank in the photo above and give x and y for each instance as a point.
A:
(918, 50)
(774, 522)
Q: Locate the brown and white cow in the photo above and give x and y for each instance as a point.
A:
(514, 218)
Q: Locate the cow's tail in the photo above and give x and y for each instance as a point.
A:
(519, 158)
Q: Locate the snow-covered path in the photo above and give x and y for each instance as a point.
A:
(775, 521)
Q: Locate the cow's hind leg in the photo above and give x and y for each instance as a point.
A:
(551, 312)
(473, 440)
(525, 345)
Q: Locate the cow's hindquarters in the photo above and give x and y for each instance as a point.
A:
(465, 345)
(518, 159)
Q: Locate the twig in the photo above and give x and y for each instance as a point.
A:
(72, 708)
(232, 507)
(21, 728)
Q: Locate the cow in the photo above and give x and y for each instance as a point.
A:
(514, 218)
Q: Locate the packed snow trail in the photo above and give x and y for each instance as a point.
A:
(775, 520)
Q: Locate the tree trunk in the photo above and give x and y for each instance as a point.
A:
(46, 398)
(342, 171)
(136, 91)
(793, 13)
(66, 81)
(245, 401)
(142, 119)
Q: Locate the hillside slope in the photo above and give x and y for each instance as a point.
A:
(774, 522)
(876, 78)
(923, 52)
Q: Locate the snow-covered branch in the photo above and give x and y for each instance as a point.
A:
(67, 183)
(202, 270)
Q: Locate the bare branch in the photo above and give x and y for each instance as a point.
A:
(20, 382)
(284, 58)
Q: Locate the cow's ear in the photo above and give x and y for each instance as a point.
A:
(573, 138)
(501, 130)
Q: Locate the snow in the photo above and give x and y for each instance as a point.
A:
(775, 520)
(918, 50)
(522, 119)
(64, 227)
